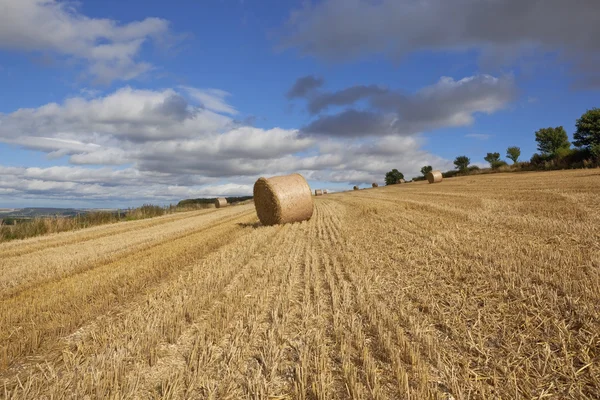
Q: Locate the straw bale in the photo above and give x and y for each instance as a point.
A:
(355, 187)
(220, 202)
(318, 192)
(434, 177)
(283, 199)
(375, 184)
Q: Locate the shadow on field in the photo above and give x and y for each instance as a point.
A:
(592, 174)
(253, 225)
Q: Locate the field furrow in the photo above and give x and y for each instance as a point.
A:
(23, 271)
(32, 319)
(29, 246)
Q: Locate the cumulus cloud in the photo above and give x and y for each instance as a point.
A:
(109, 48)
(211, 99)
(69, 183)
(127, 114)
(352, 123)
(447, 103)
(502, 30)
(362, 162)
(304, 86)
(344, 97)
(164, 145)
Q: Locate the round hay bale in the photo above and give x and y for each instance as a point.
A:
(355, 187)
(220, 202)
(283, 199)
(434, 177)
(401, 181)
(324, 191)
(318, 192)
(375, 184)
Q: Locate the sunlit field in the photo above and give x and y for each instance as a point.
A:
(480, 287)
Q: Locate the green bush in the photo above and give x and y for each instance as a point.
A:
(492, 158)
(538, 160)
(392, 177)
(498, 163)
(524, 165)
(564, 153)
(450, 174)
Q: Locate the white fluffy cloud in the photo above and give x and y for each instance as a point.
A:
(77, 183)
(109, 48)
(163, 145)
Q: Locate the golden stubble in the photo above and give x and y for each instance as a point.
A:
(480, 287)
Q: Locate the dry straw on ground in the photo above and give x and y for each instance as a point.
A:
(318, 192)
(283, 199)
(355, 187)
(200, 305)
(375, 184)
(220, 202)
(434, 177)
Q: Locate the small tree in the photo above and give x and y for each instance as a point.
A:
(551, 139)
(513, 153)
(462, 163)
(588, 129)
(426, 169)
(492, 158)
(392, 177)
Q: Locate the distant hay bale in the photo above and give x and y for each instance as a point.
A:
(434, 177)
(324, 191)
(375, 184)
(318, 192)
(220, 202)
(355, 187)
(283, 199)
(401, 181)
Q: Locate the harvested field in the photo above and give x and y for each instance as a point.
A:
(480, 287)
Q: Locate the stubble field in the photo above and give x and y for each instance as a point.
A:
(484, 287)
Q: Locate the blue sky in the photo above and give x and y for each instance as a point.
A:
(112, 103)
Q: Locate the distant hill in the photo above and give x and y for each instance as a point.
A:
(230, 200)
(33, 212)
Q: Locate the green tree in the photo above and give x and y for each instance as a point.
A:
(595, 150)
(513, 153)
(551, 139)
(588, 129)
(462, 162)
(426, 169)
(392, 177)
(492, 158)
